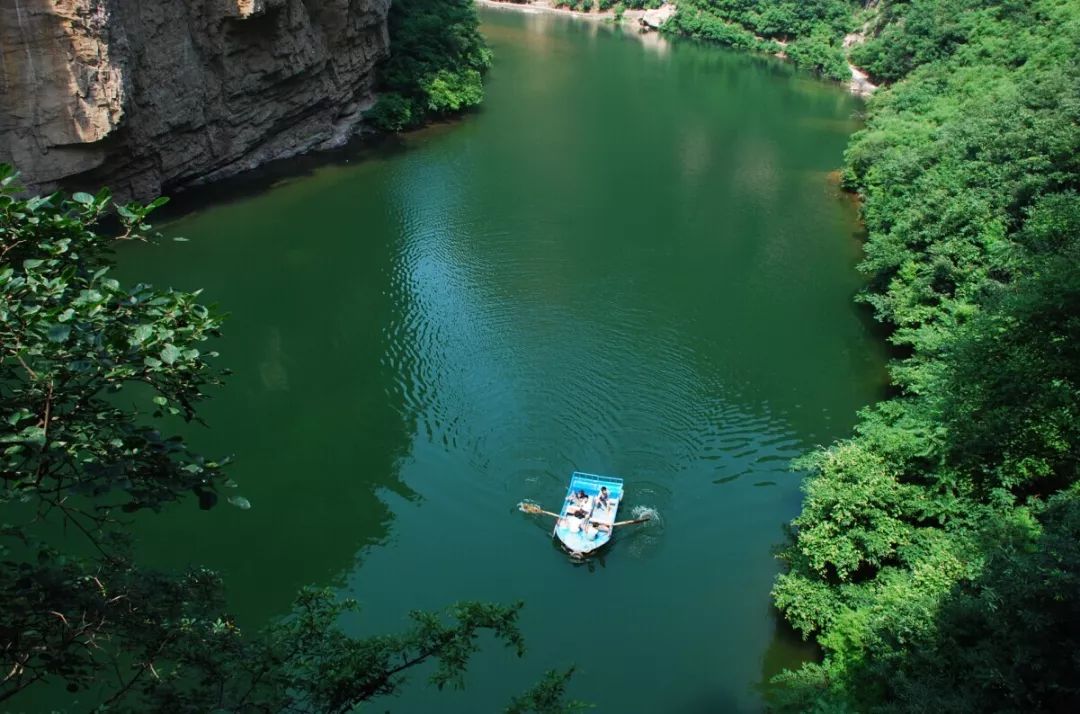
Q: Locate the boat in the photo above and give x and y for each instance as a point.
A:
(585, 525)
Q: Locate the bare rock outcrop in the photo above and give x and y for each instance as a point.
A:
(147, 96)
(654, 19)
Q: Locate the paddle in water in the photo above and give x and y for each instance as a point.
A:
(527, 507)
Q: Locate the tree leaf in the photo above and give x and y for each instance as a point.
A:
(141, 334)
(17, 416)
(58, 333)
(170, 353)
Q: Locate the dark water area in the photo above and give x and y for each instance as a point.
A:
(631, 262)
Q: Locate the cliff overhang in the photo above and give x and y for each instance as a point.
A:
(149, 96)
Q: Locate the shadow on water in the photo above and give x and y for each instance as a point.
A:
(787, 651)
(590, 563)
(316, 437)
(316, 434)
(369, 148)
(258, 181)
(713, 703)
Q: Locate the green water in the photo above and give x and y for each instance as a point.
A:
(631, 262)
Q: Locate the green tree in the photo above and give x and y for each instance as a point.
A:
(810, 32)
(437, 60)
(935, 558)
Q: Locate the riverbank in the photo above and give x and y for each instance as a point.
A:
(645, 20)
(939, 540)
(546, 7)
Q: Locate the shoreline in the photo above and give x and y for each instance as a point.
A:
(859, 84)
(545, 6)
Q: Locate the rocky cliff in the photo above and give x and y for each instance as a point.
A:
(147, 96)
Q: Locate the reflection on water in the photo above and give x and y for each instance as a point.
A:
(305, 413)
(627, 263)
(272, 370)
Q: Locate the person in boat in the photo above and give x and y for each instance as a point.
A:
(573, 522)
(589, 530)
(592, 530)
(604, 499)
(581, 500)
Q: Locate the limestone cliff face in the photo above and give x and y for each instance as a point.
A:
(147, 96)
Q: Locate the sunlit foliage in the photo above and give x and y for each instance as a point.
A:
(809, 32)
(436, 64)
(936, 557)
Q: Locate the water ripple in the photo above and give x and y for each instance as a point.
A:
(502, 352)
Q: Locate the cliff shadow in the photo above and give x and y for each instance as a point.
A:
(251, 183)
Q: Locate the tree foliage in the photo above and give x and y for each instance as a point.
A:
(437, 61)
(809, 32)
(76, 346)
(548, 696)
(936, 559)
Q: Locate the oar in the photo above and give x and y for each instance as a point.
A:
(533, 508)
(628, 523)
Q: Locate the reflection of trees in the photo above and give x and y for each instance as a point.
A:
(787, 650)
(307, 412)
(698, 215)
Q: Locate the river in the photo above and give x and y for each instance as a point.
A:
(632, 262)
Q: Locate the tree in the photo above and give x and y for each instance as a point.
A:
(809, 32)
(436, 63)
(72, 342)
(935, 558)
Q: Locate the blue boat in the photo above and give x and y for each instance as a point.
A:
(587, 518)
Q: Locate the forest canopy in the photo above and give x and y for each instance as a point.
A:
(936, 558)
(809, 32)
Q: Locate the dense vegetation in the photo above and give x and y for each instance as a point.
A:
(809, 32)
(436, 64)
(937, 556)
(78, 612)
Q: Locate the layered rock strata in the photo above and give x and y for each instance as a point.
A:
(148, 96)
